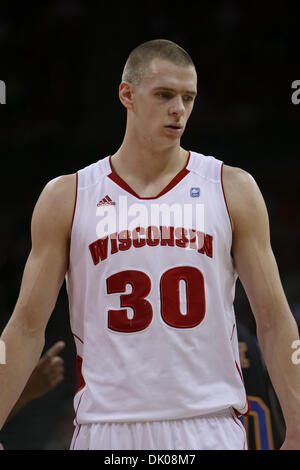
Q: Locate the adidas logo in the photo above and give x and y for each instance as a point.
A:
(106, 201)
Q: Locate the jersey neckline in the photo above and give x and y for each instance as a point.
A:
(177, 178)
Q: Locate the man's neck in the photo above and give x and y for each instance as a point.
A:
(146, 166)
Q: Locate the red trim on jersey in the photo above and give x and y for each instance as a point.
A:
(81, 383)
(75, 203)
(78, 408)
(120, 182)
(75, 438)
(80, 379)
(77, 338)
(240, 425)
(224, 195)
(248, 404)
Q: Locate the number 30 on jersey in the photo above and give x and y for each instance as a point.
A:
(169, 294)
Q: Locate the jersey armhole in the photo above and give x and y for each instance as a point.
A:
(75, 202)
(224, 196)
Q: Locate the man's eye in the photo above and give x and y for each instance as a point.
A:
(164, 95)
(188, 98)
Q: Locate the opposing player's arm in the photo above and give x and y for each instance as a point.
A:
(258, 272)
(42, 279)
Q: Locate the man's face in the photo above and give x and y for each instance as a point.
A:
(163, 102)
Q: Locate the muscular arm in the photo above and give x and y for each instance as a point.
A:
(258, 272)
(42, 279)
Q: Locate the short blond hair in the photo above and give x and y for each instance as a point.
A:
(141, 57)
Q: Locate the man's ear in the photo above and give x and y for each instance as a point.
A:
(126, 94)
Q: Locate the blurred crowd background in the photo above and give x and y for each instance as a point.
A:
(62, 61)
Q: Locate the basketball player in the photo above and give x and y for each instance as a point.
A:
(151, 300)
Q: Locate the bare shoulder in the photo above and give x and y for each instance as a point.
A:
(55, 205)
(244, 198)
(235, 179)
(61, 189)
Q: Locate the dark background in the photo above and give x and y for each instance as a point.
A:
(62, 62)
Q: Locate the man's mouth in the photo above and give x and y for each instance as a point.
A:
(173, 126)
(174, 130)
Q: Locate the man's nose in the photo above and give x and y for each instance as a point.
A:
(177, 106)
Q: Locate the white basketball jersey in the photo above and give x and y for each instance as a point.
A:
(151, 286)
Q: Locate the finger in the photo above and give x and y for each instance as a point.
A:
(55, 349)
(56, 361)
(53, 365)
(55, 379)
(55, 370)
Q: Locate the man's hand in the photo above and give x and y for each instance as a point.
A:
(47, 374)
